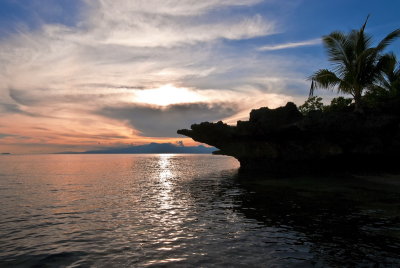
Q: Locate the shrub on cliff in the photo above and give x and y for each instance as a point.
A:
(311, 104)
(339, 104)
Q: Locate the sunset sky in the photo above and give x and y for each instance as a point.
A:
(79, 75)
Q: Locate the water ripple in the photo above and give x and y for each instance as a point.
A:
(167, 210)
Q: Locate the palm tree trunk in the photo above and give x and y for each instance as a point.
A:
(357, 102)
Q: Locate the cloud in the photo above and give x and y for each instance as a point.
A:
(156, 121)
(11, 108)
(83, 77)
(167, 7)
(3, 135)
(122, 45)
(13, 137)
(311, 42)
(168, 23)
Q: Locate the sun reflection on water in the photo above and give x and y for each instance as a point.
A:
(165, 179)
(165, 169)
(172, 209)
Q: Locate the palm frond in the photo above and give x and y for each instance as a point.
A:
(325, 79)
(364, 42)
(335, 43)
(365, 23)
(387, 63)
(388, 39)
(345, 87)
(390, 73)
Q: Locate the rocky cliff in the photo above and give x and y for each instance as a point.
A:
(283, 141)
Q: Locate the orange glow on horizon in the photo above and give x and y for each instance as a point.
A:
(52, 135)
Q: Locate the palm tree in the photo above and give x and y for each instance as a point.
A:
(390, 80)
(356, 64)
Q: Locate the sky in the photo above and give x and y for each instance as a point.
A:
(79, 75)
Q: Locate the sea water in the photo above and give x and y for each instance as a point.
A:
(168, 210)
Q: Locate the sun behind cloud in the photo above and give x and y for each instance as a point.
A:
(167, 95)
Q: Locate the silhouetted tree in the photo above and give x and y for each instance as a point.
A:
(313, 103)
(356, 64)
(390, 80)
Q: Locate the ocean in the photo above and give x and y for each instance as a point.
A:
(182, 211)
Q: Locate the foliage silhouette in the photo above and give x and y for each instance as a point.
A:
(390, 80)
(357, 65)
(313, 103)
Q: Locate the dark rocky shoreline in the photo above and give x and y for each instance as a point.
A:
(283, 141)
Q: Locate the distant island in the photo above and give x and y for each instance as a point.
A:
(361, 133)
(152, 148)
(5, 153)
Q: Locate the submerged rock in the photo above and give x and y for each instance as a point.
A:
(283, 141)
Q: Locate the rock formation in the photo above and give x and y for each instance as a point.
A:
(283, 141)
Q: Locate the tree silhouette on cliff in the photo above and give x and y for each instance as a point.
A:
(357, 65)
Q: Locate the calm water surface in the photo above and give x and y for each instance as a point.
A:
(175, 210)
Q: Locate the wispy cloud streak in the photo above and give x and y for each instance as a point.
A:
(311, 42)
